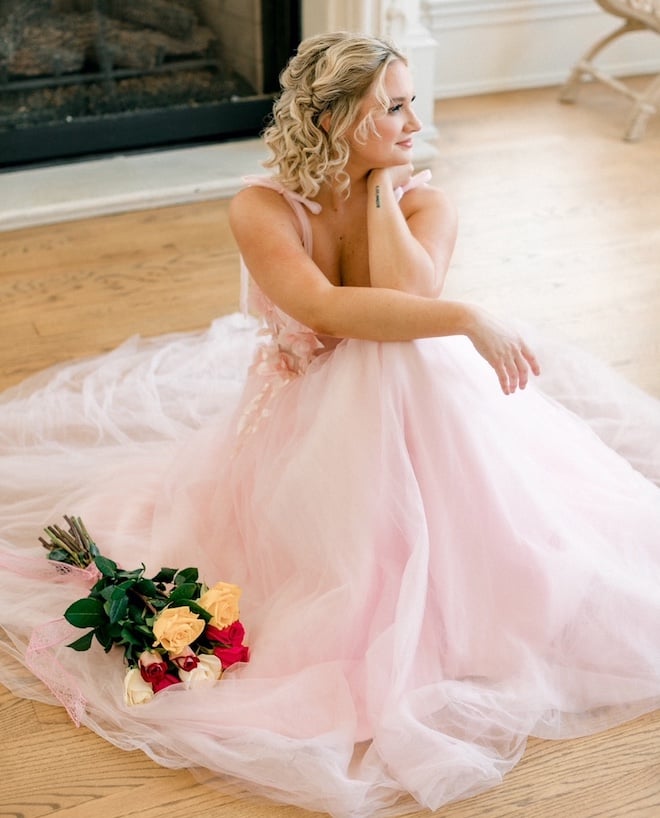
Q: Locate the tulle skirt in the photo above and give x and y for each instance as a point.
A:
(431, 571)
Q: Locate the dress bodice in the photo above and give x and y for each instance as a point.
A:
(289, 347)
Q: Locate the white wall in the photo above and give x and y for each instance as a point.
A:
(494, 45)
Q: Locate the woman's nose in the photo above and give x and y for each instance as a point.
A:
(413, 124)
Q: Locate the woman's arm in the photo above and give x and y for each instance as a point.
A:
(267, 236)
(410, 246)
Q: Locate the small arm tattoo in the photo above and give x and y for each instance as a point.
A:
(377, 195)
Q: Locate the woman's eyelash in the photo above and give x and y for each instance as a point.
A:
(395, 108)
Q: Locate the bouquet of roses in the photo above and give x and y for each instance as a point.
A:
(171, 627)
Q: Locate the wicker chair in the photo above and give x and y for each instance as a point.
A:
(638, 15)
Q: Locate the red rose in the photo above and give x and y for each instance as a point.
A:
(229, 656)
(231, 635)
(167, 680)
(185, 662)
(152, 669)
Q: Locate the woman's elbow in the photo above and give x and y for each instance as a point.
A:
(321, 312)
(428, 284)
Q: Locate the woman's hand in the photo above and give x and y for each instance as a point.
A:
(504, 350)
(400, 175)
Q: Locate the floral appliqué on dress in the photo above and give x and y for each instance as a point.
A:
(289, 350)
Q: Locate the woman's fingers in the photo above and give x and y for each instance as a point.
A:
(505, 351)
(503, 377)
(523, 366)
(530, 358)
(515, 369)
(512, 373)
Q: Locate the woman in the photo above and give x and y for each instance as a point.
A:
(343, 135)
(433, 567)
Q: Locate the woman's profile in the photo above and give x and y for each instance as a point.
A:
(438, 558)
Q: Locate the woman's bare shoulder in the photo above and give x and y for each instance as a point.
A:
(254, 198)
(255, 207)
(426, 195)
(429, 200)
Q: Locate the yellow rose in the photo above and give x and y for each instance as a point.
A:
(176, 628)
(221, 602)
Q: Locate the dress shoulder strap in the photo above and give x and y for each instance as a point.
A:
(296, 200)
(289, 195)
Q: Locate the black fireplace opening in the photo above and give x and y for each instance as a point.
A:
(81, 78)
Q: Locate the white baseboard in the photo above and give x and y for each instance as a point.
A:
(500, 45)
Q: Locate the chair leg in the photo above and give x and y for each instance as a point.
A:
(644, 108)
(584, 68)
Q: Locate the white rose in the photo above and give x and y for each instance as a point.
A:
(206, 673)
(136, 690)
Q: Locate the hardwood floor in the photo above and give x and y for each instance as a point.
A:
(560, 225)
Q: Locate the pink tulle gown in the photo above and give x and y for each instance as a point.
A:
(431, 571)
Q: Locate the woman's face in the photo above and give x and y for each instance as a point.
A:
(391, 144)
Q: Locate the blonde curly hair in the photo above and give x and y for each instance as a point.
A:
(329, 74)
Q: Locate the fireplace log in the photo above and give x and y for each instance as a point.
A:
(60, 45)
(161, 15)
(55, 46)
(36, 61)
(144, 50)
(125, 49)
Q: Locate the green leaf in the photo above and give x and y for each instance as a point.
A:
(184, 591)
(106, 566)
(132, 655)
(201, 612)
(133, 575)
(109, 590)
(147, 588)
(186, 575)
(122, 588)
(115, 630)
(84, 643)
(131, 637)
(100, 584)
(85, 613)
(117, 608)
(103, 636)
(165, 575)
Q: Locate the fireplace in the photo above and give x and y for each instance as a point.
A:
(83, 77)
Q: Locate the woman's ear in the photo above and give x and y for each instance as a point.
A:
(325, 120)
